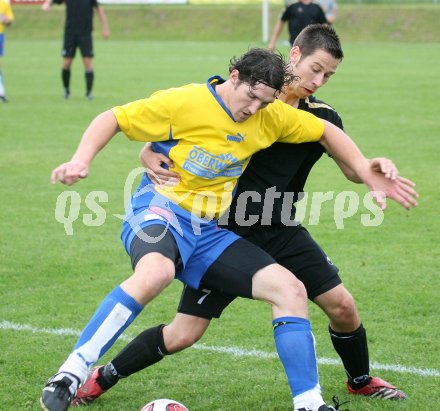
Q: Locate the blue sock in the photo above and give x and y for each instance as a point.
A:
(113, 316)
(296, 348)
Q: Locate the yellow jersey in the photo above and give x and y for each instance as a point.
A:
(210, 150)
(5, 10)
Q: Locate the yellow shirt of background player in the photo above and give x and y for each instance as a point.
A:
(209, 149)
(5, 10)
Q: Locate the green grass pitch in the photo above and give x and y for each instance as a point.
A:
(388, 96)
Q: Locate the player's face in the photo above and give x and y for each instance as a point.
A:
(245, 101)
(313, 71)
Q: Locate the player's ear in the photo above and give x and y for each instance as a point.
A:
(295, 55)
(233, 76)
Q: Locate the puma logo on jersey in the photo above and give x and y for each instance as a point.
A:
(238, 138)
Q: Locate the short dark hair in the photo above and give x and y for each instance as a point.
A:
(260, 65)
(319, 37)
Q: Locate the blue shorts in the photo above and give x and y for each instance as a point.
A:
(200, 242)
(2, 43)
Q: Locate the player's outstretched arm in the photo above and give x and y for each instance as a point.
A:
(401, 190)
(100, 131)
(380, 176)
(380, 164)
(344, 151)
(157, 166)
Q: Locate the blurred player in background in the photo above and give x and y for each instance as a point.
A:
(298, 16)
(6, 18)
(329, 7)
(315, 57)
(78, 34)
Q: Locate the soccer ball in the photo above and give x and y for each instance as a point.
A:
(164, 405)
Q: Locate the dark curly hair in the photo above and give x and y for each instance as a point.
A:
(260, 65)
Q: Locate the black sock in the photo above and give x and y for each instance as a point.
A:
(146, 349)
(353, 350)
(65, 75)
(89, 81)
(107, 376)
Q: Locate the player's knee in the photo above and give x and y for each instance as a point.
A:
(164, 271)
(296, 289)
(154, 267)
(279, 287)
(290, 292)
(345, 311)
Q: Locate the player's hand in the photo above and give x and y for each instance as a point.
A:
(69, 173)
(46, 6)
(401, 190)
(155, 165)
(6, 20)
(105, 34)
(384, 166)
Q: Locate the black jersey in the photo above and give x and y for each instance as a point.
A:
(281, 168)
(79, 15)
(300, 15)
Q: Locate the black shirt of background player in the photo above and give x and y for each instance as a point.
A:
(283, 166)
(79, 15)
(300, 15)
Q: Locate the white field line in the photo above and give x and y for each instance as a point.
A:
(235, 351)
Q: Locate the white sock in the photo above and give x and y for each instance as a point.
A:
(2, 87)
(310, 399)
(73, 387)
(76, 366)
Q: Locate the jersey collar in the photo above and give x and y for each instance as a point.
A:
(211, 83)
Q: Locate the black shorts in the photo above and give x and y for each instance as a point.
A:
(231, 273)
(166, 246)
(73, 41)
(291, 247)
